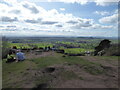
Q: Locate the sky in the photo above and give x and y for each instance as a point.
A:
(95, 18)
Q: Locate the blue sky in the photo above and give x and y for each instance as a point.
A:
(61, 18)
(83, 11)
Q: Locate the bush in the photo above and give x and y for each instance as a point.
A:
(113, 50)
(5, 49)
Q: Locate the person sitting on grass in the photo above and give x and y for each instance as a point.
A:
(20, 56)
(10, 57)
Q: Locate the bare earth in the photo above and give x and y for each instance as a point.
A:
(108, 80)
(34, 55)
(88, 81)
(83, 80)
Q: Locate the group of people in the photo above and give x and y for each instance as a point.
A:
(15, 56)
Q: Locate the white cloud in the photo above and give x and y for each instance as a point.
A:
(96, 26)
(82, 23)
(109, 19)
(30, 6)
(29, 18)
(105, 2)
(83, 2)
(70, 1)
(10, 2)
(98, 2)
(62, 9)
(102, 13)
(8, 19)
(116, 11)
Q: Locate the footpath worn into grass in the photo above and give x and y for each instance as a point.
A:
(56, 70)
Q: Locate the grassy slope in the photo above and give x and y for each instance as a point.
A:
(15, 74)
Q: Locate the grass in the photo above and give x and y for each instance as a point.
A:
(68, 75)
(49, 60)
(88, 45)
(30, 45)
(58, 59)
(109, 58)
(19, 45)
(43, 45)
(77, 50)
(42, 79)
(90, 67)
(16, 66)
(94, 69)
(65, 75)
(81, 78)
(12, 71)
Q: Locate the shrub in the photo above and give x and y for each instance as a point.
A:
(5, 49)
(113, 50)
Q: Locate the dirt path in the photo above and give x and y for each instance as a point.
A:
(32, 55)
(101, 61)
(110, 65)
(85, 79)
(68, 75)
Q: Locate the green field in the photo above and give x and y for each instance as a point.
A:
(77, 50)
(27, 45)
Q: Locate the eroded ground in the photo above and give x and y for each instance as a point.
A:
(53, 70)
